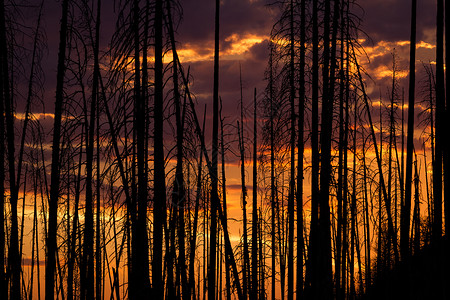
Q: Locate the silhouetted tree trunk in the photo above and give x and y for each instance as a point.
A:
(366, 219)
(446, 124)
(159, 204)
(416, 209)
(3, 279)
(272, 173)
(353, 211)
(55, 172)
(98, 237)
(390, 145)
(244, 196)
(224, 196)
(290, 262)
(345, 180)
(73, 236)
(380, 197)
(440, 106)
(179, 186)
(214, 174)
(312, 262)
(87, 274)
(341, 166)
(195, 223)
(14, 264)
(326, 281)
(254, 293)
(406, 207)
(300, 146)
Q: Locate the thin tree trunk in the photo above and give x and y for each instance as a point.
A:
(254, 293)
(159, 204)
(98, 250)
(87, 272)
(55, 172)
(406, 208)
(379, 247)
(272, 174)
(290, 262)
(224, 196)
(214, 173)
(194, 234)
(416, 209)
(3, 279)
(446, 123)
(440, 106)
(326, 277)
(312, 267)
(391, 137)
(366, 217)
(353, 212)
(14, 263)
(244, 195)
(340, 165)
(300, 146)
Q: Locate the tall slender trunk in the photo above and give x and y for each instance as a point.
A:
(311, 267)
(224, 196)
(416, 209)
(380, 174)
(179, 186)
(290, 262)
(345, 181)
(34, 231)
(254, 294)
(390, 145)
(214, 173)
(300, 149)
(55, 172)
(98, 249)
(3, 279)
(406, 207)
(188, 286)
(159, 204)
(427, 186)
(440, 106)
(272, 174)
(194, 226)
(446, 124)
(73, 236)
(366, 216)
(244, 195)
(340, 195)
(87, 274)
(353, 211)
(326, 281)
(14, 263)
(262, 259)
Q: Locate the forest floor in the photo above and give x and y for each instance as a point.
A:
(425, 276)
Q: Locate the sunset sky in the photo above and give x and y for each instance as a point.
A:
(245, 28)
(244, 33)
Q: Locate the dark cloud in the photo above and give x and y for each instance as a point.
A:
(236, 16)
(390, 20)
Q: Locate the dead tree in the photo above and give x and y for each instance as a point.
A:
(51, 243)
(406, 206)
(214, 173)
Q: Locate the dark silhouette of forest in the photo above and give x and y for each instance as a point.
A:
(124, 193)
